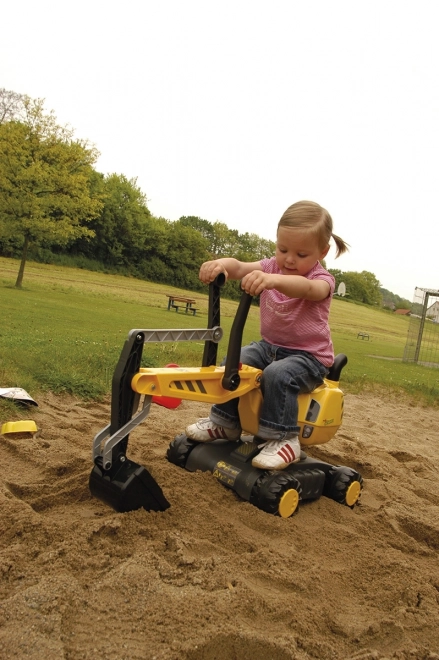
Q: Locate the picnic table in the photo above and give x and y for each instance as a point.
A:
(175, 302)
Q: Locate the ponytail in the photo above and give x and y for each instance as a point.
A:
(342, 247)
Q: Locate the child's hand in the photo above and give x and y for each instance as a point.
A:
(210, 270)
(256, 282)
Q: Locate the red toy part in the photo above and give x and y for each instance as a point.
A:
(167, 401)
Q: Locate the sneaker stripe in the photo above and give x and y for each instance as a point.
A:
(287, 454)
(284, 456)
(217, 433)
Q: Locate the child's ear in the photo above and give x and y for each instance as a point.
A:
(325, 252)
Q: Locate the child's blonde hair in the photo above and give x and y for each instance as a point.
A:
(313, 218)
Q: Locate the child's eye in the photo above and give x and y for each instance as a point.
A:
(302, 256)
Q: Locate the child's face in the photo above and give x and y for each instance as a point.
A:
(297, 251)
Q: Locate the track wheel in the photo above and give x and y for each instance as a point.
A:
(344, 485)
(179, 450)
(277, 493)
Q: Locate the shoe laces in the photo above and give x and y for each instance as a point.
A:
(272, 445)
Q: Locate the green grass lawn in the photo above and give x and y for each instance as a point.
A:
(64, 330)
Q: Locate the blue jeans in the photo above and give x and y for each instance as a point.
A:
(286, 373)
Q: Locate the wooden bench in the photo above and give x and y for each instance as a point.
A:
(194, 310)
(175, 302)
(363, 335)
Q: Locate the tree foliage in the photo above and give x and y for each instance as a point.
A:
(120, 228)
(52, 197)
(222, 241)
(363, 287)
(45, 180)
(393, 301)
(11, 106)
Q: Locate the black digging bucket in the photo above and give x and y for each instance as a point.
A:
(127, 486)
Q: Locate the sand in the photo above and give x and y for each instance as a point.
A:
(213, 577)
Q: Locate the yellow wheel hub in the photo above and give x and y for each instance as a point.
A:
(288, 503)
(353, 493)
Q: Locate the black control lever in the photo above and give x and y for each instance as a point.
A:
(213, 320)
(231, 378)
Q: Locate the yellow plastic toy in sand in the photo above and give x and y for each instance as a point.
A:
(24, 426)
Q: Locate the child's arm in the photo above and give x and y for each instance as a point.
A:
(293, 286)
(232, 269)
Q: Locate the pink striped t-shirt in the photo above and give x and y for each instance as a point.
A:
(296, 323)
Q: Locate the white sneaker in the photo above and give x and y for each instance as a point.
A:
(278, 454)
(206, 431)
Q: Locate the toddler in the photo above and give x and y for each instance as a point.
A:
(296, 350)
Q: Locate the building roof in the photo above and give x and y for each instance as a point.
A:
(402, 311)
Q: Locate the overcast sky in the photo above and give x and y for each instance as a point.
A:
(232, 111)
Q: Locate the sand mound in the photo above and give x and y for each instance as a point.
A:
(214, 577)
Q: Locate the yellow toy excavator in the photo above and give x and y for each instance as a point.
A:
(125, 485)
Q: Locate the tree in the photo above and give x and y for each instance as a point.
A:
(393, 301)
(45, 180)
(363, 287)
(252, 247)
(185, 252)
(221, 241)
(11, 105)
(203, 227)
(122, 225)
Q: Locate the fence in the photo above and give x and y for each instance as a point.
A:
(422, 346)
